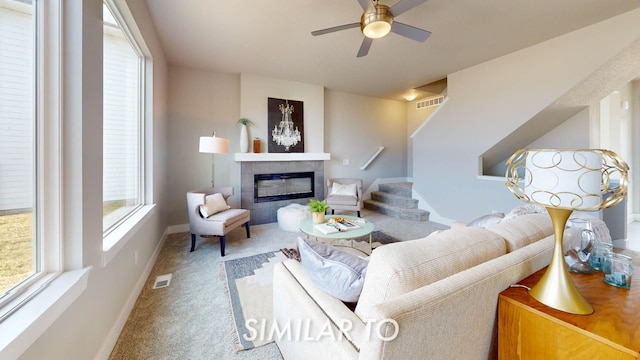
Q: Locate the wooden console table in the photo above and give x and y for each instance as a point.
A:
(528, 329)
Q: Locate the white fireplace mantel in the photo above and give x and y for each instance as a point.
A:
(281, 156)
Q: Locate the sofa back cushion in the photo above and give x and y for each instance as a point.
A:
(523, 230)
(398, 268)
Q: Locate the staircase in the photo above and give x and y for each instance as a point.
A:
(394, 199)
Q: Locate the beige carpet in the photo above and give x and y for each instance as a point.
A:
(190, 318)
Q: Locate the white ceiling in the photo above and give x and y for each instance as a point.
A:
(272, 38)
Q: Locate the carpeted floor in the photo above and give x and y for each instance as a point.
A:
(190, 319)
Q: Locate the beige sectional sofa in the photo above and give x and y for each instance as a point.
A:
(441, 291)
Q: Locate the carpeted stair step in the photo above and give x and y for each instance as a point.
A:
(399, 189)
(395, 200)
(400, 213)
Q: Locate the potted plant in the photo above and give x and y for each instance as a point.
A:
(244, 136)
(317, 209)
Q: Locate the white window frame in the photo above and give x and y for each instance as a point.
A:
(45, 298)
(117, 236)
(47, 217)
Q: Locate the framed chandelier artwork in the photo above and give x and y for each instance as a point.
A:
(286, 125)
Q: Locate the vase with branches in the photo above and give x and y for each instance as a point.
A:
(244, 134)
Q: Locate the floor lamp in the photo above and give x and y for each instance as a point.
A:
(213, 145)
(564, 180)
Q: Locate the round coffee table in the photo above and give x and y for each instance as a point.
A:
(307, 226)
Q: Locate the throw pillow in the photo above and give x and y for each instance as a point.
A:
(213, 204)
(487, 220)
(524, 210)
(344, 189)
(333, 271)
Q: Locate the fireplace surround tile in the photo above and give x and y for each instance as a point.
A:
(266, 212)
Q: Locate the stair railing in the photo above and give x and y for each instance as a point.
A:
(373, 157)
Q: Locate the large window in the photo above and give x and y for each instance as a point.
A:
(19, 240)
(123, 123)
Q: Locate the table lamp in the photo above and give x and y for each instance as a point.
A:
(213, 145)
(564, 180)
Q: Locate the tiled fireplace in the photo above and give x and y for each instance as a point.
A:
(285, 182)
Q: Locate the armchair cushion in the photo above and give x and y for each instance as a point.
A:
(213, 204)
(336, 272)
(344, 189)
(333, 200)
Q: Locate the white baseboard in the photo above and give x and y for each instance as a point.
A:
(112, 338)
(173, 229)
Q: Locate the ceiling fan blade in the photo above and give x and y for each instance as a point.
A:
(365, 4)
(334, 29)
(403, 6)
(410, 32)
(364, 48)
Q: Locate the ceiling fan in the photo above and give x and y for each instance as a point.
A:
(377, 20)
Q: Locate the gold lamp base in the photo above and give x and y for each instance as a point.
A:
(556, 288)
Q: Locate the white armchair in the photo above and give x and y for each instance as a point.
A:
(218, 224)
(346, 195)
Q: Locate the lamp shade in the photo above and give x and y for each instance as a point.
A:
(573, 179)
(214, 145)
(569, 179)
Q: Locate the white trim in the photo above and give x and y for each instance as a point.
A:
(118, 238)
(433, 214)
(111, 339)
(28, 323)
(491, 178)
(282, 156)
(424, 123)
(174, 229)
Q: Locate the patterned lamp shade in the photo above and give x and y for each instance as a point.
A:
(574, 179)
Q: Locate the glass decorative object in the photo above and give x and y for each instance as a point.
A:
(600, 250)
(578, 258)
(618, 270)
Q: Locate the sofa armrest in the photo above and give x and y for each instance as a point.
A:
(322, 326)
(456, 317)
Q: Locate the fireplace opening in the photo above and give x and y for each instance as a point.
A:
(283, 186)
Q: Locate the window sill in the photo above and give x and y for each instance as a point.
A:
(118, 238)
(27, 324)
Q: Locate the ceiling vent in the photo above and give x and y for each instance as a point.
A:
(429, 102)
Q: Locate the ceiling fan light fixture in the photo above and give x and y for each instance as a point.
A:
(376, 22)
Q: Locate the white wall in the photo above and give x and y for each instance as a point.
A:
(90, 326)
(617, 124)
(200, 102)
(254, 91)
(490, 100)
(415, 118)
(635, 166)
(355, 126)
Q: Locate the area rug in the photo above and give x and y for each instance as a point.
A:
(249, 286)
